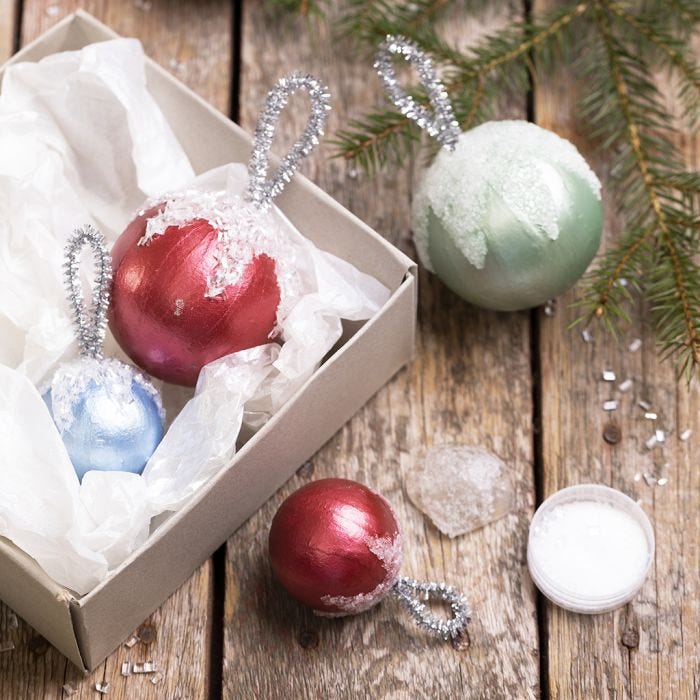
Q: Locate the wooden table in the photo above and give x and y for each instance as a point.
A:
(519, 384)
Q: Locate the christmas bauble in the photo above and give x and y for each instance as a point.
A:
(510, 218)
(192, 283)
(109, 415)
(335, 545)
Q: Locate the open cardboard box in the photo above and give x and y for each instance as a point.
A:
(86, 629)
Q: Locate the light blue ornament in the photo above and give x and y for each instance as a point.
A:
(109, 415)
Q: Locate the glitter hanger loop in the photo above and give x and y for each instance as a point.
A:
(411, 594)
(440, 123)
(90, 323)
(262, 190)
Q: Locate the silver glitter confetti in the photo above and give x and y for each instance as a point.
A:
(69, 689)
(157, 678)
(638, 476)
(635, 345)
(660, 436)
(133, 641)
(6, 646)
(409, 592)
(102, 688)
(262, 190)
(625, 386)
(12, 621)
(650, 479)
(440, 123)
(685, 435)
(126, 668)
(644, 405)
(609, 375)
(663, 481)
(550, 308)
(53, 11)
(610, 405)
(650, 415)
(586, 335)
(145, 667)
(90, 325)
(651, 443)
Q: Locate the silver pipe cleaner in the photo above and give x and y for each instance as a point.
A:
(90, 324)
(440, 123)
(262, 190)
(411, 594)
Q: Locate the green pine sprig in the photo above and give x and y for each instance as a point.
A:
(614, 49)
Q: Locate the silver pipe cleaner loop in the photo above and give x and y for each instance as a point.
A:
(262, 190)
(411, 593)
(440, 123)
(90, 324)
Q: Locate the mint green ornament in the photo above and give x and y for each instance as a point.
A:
(509, 214)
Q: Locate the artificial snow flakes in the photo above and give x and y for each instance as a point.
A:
(506, 160)
(460, 488)
(625, 386)
(609, 375)
(586, 335)
(610, 405)
(635, 345)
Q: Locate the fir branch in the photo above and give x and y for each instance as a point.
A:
(668, 332)
(674, 52)
(688, 182)
(376, 140)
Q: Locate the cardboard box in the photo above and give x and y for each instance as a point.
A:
(86, 629)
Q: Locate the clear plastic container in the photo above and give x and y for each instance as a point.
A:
(578, 601)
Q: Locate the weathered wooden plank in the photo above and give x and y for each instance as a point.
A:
(191, 40)
(470, 383)
(8, 22)
(650, 648)
(195, 43)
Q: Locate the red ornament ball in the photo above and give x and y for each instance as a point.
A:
(160, 313)
(335, 545)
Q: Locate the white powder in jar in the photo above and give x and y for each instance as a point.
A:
(589, 549)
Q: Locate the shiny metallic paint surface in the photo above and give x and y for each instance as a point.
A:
(109, 434)
(160, 314)
(524, 268)
(318, 541)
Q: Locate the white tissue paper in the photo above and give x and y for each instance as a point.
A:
(82, 141)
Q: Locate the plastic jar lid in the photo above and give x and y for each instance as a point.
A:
(560, 555)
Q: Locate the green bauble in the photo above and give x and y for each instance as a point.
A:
(509, 219)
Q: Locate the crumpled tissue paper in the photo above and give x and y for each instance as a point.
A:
(82, 141)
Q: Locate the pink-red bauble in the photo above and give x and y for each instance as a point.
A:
(160, 313)
(335, 545)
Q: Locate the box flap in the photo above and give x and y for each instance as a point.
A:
(38, 599)
(86, 630)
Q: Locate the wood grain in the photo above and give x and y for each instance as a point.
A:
(470, 383)
(650, 648)
(195, 43)
(8, 22)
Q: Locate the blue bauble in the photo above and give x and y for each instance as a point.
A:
(109, 415)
